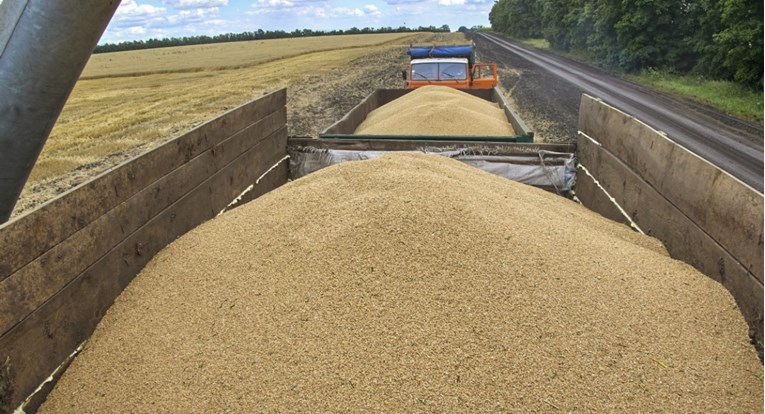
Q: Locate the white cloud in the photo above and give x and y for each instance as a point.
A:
(194, 4)
(287, 8)
(134, 20)
(395, 2)
(451, 2)
(136, 30)
(409, 10)
(372, 10)
(192, 16)
(287, 4)
(131, 10)
(268, 6)
(215, 22)
(342, 11)
(275, 3)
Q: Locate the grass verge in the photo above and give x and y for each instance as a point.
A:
(537, 43)
(724, 96)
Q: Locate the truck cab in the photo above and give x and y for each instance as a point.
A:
(452, 66)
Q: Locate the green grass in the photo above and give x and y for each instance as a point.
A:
(726, 96)
(537, 43)
(578, 55)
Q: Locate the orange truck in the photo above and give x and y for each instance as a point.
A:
(448, 65)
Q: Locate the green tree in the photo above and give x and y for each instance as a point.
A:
(517, 18)
(499, 16)
(555, 28)
(720, 39)
(567, 24)
(740, 42)
(602, 42)
(649, 33)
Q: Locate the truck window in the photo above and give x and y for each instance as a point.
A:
(436, 71)
(425, 71)
(483, 72)
(452, 71)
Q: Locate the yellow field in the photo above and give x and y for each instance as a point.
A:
(223, 55)
(116, 114)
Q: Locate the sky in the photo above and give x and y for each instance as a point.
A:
(144, 19)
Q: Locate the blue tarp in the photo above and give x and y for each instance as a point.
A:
(465, 51)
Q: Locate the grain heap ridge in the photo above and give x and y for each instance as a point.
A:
(437, 110)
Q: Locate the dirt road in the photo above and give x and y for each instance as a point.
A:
(547, 89)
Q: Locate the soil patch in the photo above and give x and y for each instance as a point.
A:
(547, 103)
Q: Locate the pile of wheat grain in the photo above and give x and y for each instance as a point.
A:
(415, 284)
(437, 110)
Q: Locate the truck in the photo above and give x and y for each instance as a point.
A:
(449, 65)
(549, 166)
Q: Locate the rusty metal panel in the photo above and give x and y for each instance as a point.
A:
(726, 208)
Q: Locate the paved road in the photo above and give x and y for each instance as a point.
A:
(733, 145)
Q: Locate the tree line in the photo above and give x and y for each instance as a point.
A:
(717, 39)
(255, 35)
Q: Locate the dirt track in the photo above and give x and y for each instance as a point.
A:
(547, 88)
(548, 105)
(318, 101)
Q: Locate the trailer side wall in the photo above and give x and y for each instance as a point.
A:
(63, 264)
(704, 216)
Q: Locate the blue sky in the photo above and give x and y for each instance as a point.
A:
(143, 19)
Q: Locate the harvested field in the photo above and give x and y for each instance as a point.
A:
(360, 288)
(123, 110)
(437, 110)
(231, 55)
